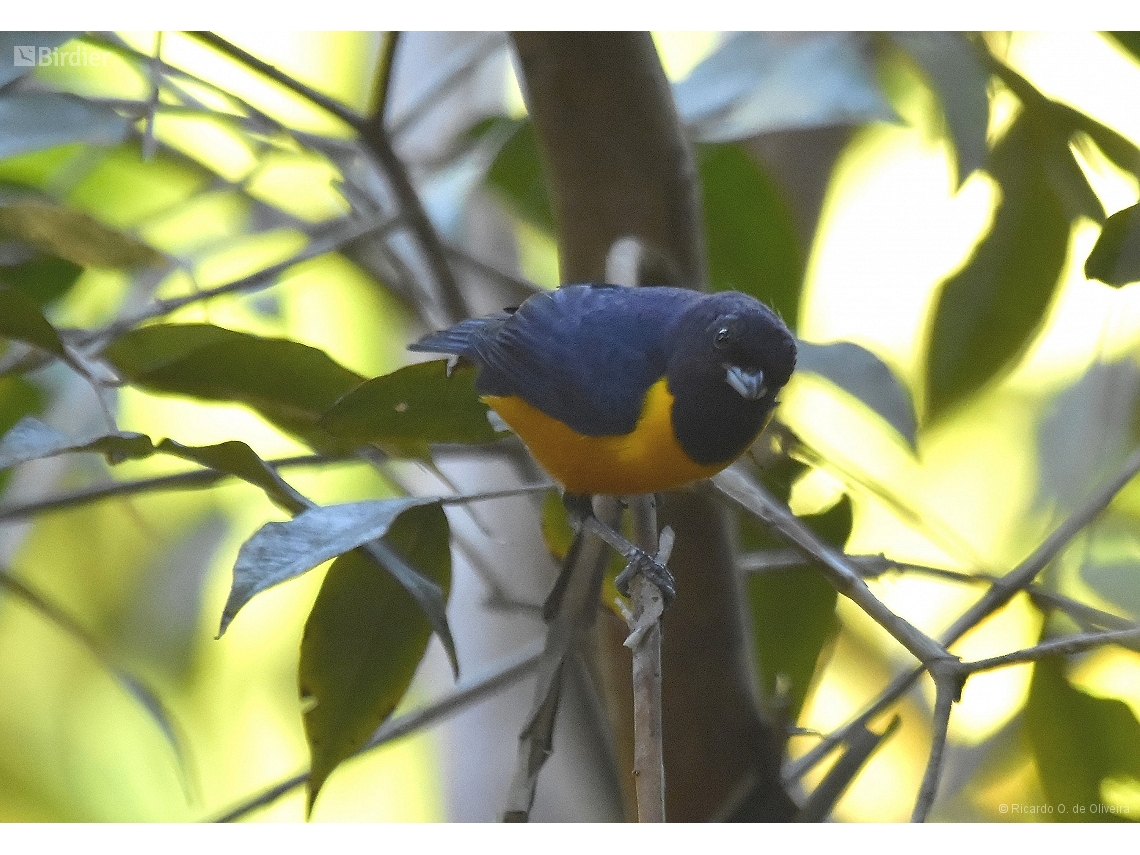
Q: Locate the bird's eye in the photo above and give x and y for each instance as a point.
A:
(722, 336)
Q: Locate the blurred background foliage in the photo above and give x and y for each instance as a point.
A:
(191, 250)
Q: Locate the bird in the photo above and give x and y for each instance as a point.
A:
(620, 390)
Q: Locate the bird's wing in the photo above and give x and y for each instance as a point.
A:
(583, 354)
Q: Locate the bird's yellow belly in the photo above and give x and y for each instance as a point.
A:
(646, 460)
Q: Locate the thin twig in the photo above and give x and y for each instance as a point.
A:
(177, 481)
(946, 694)
(645, 643)
(340, 233)
(329, 105)
(995, 598)
(384, 73)
(860, 747)
(1069, 644)
(501, 676)
(577, 605)
(461, 65)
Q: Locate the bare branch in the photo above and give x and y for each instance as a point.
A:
(1004, 590)
(1053, 647)
(644, 641)
(944, 700)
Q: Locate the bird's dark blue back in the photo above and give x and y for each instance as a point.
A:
(584, 354)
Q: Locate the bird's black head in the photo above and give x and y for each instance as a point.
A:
(731, 357)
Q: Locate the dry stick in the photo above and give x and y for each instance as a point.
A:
(644, 641)
(384, 73)
(946, 694)
(585, 565)
(1053, 647)
(874, 566)
(501, 676)
(996, 597)
(859, 749)
(180, 480)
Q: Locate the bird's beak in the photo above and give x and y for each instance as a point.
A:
(750, 384)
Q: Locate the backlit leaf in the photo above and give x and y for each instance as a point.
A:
(1078, 740)
(987, 313)
(749, 230)
(861, 373)
(1115, 259)
(364, 639)
(67, 233)
(289, 383)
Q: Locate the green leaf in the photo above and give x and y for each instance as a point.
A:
(793, 620)
(517, 173)
(238, 459)
(10, 40)
(759, 83)
(32, 121)
(288, 383)
(861, 373)
(1130, 41)
(44, 278)
(18, 398)
(1078, 740)
(987, 313)
(280, 551)
(69, 234)
(750, 231)
(22, 320)
(1115, 260)
(412, 407)
(364, 639)
(958, 78)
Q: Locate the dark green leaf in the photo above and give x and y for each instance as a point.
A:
(364, 639)
(31, 121)
(758, 83)
(793, 620)
(1115, 260)
(16, 44)
(18, 398)
(237, 458)
(987, 313)
(749, 229)
(517, 173)
(43, 278)
(1078, 740)
(22, 320)
(1130, 41)
(861, 373)
(959, 79)
(67, 233)
(31, 439)
(280, 551)
(289, 383)
(412, 407)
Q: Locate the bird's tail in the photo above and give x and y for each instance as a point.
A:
(462, 338)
